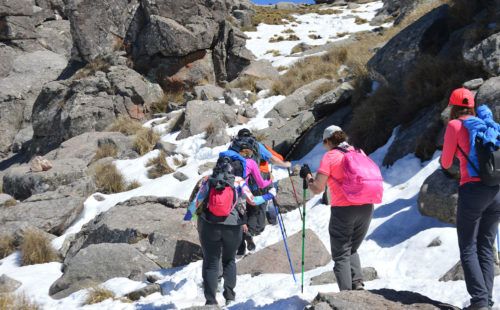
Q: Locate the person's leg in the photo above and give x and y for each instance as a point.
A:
(485, 240)
(261, 219)
(211, 243)
(363, 219)
(473, 199)
(231, 239)
(340, 230)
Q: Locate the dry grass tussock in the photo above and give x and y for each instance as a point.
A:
(7, 245)
(106, 150)
(108, 179)
(175, 96)
(91, 68)
(11, 301)
(145, 140)
(36, 249)
(245, 83)
(97, 294)
(10, 203)
(125, 125)
(159, 167)
(272, 16)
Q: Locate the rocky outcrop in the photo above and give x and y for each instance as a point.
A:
(382, 299)
(489, 94)
(438, 197)
(98, 263)
(487, 54)
(273, 259)
(286, 195)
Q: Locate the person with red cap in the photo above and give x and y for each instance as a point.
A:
(478, 209)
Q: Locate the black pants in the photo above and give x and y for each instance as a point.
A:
(348, 227)
(478, 214)
(216, 239)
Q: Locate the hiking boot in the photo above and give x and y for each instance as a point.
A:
(250, 244)
(228, 302)
(358, 285)
(473, 307)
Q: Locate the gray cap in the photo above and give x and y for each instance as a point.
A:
(330, 130)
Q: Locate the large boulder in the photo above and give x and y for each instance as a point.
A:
(427, 35)
(7, 284)
(456, 273)
(55, 36)
(273, 259)
(487, 54)
(136, 222)
(200, 115)
(16, 7)
(17, 28)
(438, 197)
(382, 299)
(98, 263)
(489, 94)
(331, 101)
(286, 194)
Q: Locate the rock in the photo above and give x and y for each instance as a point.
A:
(327, 103)
(6, 200)
(8, 285)
(16, 7)
(435, 242)
(206, 167)
(56, 6)
(55, 36)
(261, 69)
(487, 54)
(235, 96)
(456, 273)
(211, 91)
(144, 291)
(39, 164)
(286, 196)
(136, 222)
(285, 6)
(438, 197)
(392, 62)
(218, 137)
(52, 211)
(369, 274)
(473, 84)
(243, 17)
(16, 28)
(180, 176)
(167, 147)
(297, 101)
(294, 129)
(98, 263)
(22, 139)
(263, 84)
(17, 231)
(201, 114)
(382, 299)
(7, 55)
(273, 259)
(489, 94)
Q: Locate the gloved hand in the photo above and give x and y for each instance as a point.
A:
(188, 215)
(272, 191)
(304, 171)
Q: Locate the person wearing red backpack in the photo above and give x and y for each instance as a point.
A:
(349, 221)
(478, 207)
(221, 219)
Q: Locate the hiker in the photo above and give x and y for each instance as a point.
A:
(349, 221)
(222, 217)
(478, 208)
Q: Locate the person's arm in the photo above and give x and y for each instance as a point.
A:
(200, 196)
(255, 200)
(254, 171)
(316, 185)
(450, 144)
(278, 162)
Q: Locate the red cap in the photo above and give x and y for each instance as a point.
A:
(462, 97)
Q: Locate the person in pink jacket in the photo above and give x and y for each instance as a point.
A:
(478, 208)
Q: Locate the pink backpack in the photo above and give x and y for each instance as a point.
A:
(363, 181)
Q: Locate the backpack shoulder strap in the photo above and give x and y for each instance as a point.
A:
(465, 155)
(343, 150)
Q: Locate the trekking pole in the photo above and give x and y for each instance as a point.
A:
(498, 244)
(284, 240)
(304, 185)
(295, 193)
(275, 203)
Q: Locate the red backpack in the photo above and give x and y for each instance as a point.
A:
(222, 196)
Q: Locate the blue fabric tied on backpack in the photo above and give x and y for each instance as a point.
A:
(236, 156)
(483, 126)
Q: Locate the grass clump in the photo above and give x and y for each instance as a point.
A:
(10, 203)
(288, 30)
(108, 179)
(98, 294)
(359, 21)
(36, 249)
(125, 125)
(105, 150)
(10, 301)
(274, 52)
(315, 36)
(7, 245)
(133, 185)
(175, 95)
(159, 167)
(210, 130)
(92, 68)
(145, 140)
(291, 37)
(246, 83)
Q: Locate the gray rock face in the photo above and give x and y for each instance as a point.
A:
(261, 69)
(136, 222)
(286, 196)
(98, 263)
(8, 284)
(201, 114)
(486, 53)
(393, 61)
(438, 197)
(55, 35)
(297, 101)
(332, 100)
(22, 137)
(273, 259)
(16, 28)
(211, 91)
(20, 183)
(16, 7)
(382, 299)
(369, 274)
(489, 94)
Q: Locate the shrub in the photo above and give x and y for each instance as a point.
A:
(134, 184)
(125, 125)
(10, 301)
(7, 245)
(105, 150)
(98, 294)
(36, 249)
(160, 166)
(145, 140)
(108, 179)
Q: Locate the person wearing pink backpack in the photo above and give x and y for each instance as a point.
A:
(351, 203)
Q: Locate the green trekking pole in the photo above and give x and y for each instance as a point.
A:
(304, 186)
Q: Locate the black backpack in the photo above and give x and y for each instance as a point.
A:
(488, 157)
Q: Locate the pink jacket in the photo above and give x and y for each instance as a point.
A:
(253, 169)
